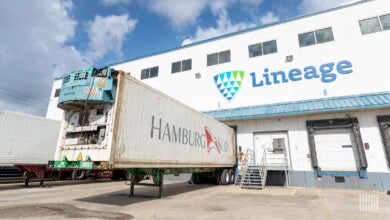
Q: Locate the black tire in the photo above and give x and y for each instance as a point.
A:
(225, 177)
(232, 176)
(78, 174)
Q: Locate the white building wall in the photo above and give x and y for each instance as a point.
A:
(349, 44)
(298, 136)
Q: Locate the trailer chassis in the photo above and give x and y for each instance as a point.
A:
(157, 174)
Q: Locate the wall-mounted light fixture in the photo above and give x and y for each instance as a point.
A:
(289, 58)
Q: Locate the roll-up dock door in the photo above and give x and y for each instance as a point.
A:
(336, 145)
(336, 149)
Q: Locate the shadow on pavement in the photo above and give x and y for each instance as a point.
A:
(143, 194)
(54, 211)
(49, 184)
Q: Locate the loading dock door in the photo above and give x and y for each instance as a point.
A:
(336, 149)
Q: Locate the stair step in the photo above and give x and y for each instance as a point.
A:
(238, 179)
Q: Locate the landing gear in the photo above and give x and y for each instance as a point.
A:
(33, 170)
(137, 174)
(26, 178)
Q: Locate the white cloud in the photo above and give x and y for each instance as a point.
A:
(252, 2)
(179, 13)
(219, 7)
(224, 26)
(34, 50)
(250, 6)
(270, 17)
(310, 6)
(113, 2)
(182, 13)
(107, 34)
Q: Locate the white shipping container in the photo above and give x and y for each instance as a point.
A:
(145, 128)
(26, 139)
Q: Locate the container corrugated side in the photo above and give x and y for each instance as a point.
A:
(26, 139)
(154, 130)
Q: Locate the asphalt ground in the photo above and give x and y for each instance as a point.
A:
(104, 199)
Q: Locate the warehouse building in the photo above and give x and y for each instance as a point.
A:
(312, 92)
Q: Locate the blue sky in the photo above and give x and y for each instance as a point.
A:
(42, 39)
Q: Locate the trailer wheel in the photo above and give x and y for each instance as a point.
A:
(225, 177)
(78, 174)
(231, 176)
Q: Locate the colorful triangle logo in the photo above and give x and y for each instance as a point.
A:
(228, 83)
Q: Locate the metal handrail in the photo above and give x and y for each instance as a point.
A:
(265, 162)
(247, 161)
(284, 164)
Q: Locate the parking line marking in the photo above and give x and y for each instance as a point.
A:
(325, 210)
(294, 192)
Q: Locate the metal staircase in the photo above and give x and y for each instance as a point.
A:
(248, 160)
(254, 176)
(251, 176)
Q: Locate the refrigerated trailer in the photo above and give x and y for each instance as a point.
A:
(28, 142)
(113, 121)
